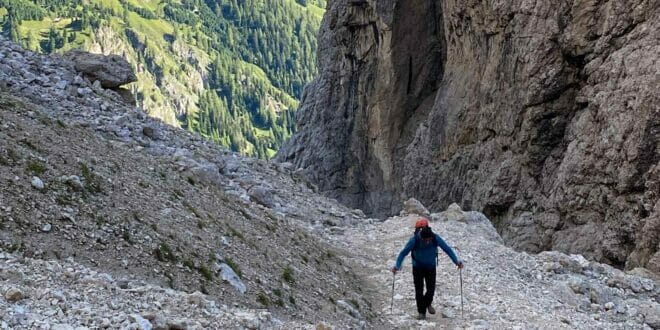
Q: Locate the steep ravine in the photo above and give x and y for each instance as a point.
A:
(543, 115)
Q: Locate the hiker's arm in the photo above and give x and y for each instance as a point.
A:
(409, 246)
(447, 249)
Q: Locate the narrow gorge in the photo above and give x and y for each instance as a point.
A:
(542, 115)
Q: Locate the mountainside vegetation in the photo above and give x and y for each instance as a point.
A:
(230, 70)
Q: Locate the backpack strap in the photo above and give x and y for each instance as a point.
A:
(412, 253)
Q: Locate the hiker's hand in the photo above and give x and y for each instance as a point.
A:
(460, 265)
(394, 270)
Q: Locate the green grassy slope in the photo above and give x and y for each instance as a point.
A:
(232, 70)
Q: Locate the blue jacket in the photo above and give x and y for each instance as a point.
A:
(424, 254)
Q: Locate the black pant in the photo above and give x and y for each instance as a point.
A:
(419, 276)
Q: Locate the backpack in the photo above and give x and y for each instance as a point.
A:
(418, 240)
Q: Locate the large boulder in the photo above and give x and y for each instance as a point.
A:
(111, 71)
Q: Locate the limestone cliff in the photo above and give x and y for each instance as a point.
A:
(542, 114)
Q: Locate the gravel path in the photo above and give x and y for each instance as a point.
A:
(503, 289)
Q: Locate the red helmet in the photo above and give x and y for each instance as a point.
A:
(421, 223)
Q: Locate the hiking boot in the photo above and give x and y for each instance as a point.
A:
(431, 310)
(421, 316)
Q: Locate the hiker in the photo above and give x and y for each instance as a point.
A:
(424, 247)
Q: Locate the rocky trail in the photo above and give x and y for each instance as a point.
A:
(503, 289)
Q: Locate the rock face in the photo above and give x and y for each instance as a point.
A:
(111, 71)
(543, 115)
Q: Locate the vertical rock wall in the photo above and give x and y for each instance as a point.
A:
(545, 115)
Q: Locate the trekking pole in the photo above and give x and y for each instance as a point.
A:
(392, 300)
(460, 274)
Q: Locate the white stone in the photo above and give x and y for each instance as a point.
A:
(37, 183)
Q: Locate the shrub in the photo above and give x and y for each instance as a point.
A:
(263, 299)
(206, 272)
(287, 275)
(164, 253)
(36, 167)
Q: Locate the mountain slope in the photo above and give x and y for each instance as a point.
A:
(232, 71)
(131, 196)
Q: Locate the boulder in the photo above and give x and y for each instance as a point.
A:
(111, 71)
(413, 206)
(454, 213)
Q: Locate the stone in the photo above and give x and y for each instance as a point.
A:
(324, 326)
(110, 70)
(206, 173)
(414, 207)
(62, 327)
(74, 182)
(143, 324)
(651, 314)
(159, 323)
(197, 298)
(37, 183)
(262, 195)
(149, 132)
(448, 313)
(454, 213)
(349, 308)
(13, 295)
(177, 324)
(126, 96)
(105, 323)
(228, 274)
(46, 228)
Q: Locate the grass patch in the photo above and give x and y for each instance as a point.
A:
(126, 235)
(100, 220)
(64, 199)
(190, 180)
(36, 167)
(234, 266)
(262, 298)
(92, 181)
(235, 233)
(29, 144)
(192, 209)
(189, 263)
(206, 272)
(287, 275)
(61, 124)
(164, 253)
(11, 157)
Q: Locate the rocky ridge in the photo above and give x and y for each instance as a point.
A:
(543, 115)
